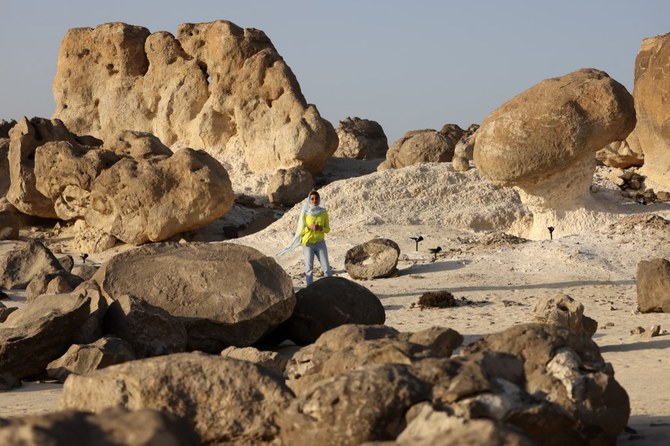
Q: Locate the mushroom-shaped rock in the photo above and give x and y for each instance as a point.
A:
(543, 142)
(373, 259)
(650, 92)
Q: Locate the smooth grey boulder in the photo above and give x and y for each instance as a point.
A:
(373, 259)
(225, 294)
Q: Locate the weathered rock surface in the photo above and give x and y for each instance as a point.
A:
(352, 347)
(272, 360)
(419, 146)
(5, 312)
(139, 201)
(42, 331)
(543, 142)
(225, 294)
(149, 330)
(650, 86)
(653, 283)
(620, 154)
(25, 262)
(82, 359)
(373, 259)
(361, 139)
(350, 409)
(569, 371)
(563, 311)
(112, 427)
(289, 186)
(224, 400)
(329, 303)
(25, 137)
(8, 382)
(215, 86)
(59, 282)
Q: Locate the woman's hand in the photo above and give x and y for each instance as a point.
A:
(314, 227)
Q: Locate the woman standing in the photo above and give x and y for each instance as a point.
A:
(313, 237)
(313, 224)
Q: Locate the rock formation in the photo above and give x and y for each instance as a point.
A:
(215, 86)
(650, 92)
(361, 139)
(225, 294)
(420, 146)
(373, 259)
(543, 142)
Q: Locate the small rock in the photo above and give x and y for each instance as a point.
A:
(653, 331)
(637, 331)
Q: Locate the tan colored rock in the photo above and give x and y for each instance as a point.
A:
(621, 155)
(361, 139)
(650, 92)
(419, 146)
(225, 400)
(138, 201)
(225, 294)
(25, 137)
(289, 186)
(563, 311)
(10, 220)
(543, 141)
(90, 240)
(214, 86)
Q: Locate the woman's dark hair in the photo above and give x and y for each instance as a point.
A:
(318, 197)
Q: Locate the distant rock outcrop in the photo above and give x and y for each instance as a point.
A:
(216, 87)
(361, 139)
(543, 142)
(651, 84)
(421, 146)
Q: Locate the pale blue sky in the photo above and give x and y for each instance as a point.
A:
(405, 64)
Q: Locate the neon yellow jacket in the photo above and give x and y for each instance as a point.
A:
(310, 237)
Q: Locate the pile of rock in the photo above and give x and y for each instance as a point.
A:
(131, 187)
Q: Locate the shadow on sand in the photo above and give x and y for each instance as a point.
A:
(639, 345)
(648, 430)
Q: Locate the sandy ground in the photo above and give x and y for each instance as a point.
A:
(498, 281)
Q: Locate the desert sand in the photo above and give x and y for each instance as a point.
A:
(497, 278)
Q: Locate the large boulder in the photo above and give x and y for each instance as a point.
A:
(289, 186)
(134, 188)
(112, 427)
(543, 141)
(653, 283)
(138, 201)
(10, 220)
(26, 261)
(352, 347)
(150, 330)
(329, 303)
(419, 146)
(42, 331)
(567, 369)
(25, 137)
(373, 259)
(361, 139)
(365, 405)
(653, 117)
(224, 400)
(225, 294)
(215, 86)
